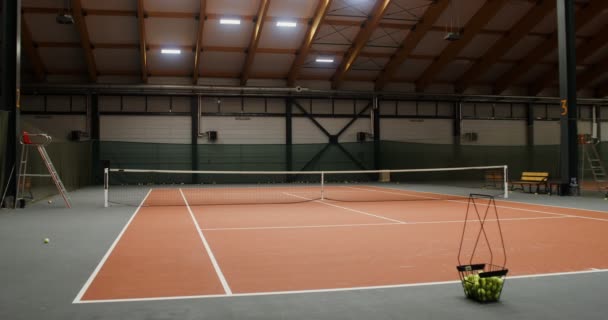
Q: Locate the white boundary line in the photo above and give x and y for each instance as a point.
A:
(306, 227)
(376, 224)
(348, 209)
(423, 284)
(498, 206)
(85, 287)
(498, 200)
(216, 266)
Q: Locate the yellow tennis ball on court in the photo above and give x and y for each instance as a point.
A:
(46, 240)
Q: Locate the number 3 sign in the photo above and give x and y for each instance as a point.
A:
(564, 107)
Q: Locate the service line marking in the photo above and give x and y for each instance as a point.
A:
(275, 293)
(346, 208)
(216, 266)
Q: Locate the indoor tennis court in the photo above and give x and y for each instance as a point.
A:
(303, 159)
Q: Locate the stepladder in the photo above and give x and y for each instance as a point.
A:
(593, 163)
(38, 142)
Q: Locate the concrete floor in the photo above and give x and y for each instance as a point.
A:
(40, 281)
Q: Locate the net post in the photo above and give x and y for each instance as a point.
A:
(322, 185)
(506, 181)
(106, 183)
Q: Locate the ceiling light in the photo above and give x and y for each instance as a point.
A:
(287, 24)
(230, 21)
(325, 60)
(64, 18)
(170, 51)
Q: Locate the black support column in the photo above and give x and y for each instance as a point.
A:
(288, 134)
(566, 34)
(195, 113)
(98, 163)
(10, 90)
(376, 133)
(456, 132)
(529, 125)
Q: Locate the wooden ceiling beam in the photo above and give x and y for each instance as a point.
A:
(109, 13)
(593, 72)
(602, 90)
(202, 16)
(85, 41)
(313, 28)
(115, 46)
(410, 42)
(31, 52)
(477, 22)
(583, 52)
(520, 29)
(255, 40)
(171, 15)
(360, 41)
(583, 16)
(143, 54)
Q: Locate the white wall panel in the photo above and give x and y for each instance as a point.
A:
(360, 125)
(58, 127)
(32, 103)
(584, 127)
(546, 132)
(305, 131)
(153, 129)
(437, 131)
(496, 132)
(256, 130)
(603, 130)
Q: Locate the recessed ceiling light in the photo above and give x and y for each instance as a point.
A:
(287, 24)
(230, 21)
(325, 60)
(170, 51)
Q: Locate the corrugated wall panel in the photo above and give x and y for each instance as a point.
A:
(152, 129)
(495, 132)
(255, 130)
(58, 127)
(546, 132)
(436, 131)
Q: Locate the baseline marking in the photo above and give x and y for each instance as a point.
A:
(422, 284)
(216, 266)
(345, 208)
(107, 255)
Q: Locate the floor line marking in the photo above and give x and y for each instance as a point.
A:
(216, 266)
(503, 200)
(498, 206)
(407, 285)
(346, 208)
(376, 224)
(93, 275)
(306, 226)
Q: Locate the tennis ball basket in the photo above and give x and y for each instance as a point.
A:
(482, 277)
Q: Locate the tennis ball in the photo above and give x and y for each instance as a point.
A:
(46, 240)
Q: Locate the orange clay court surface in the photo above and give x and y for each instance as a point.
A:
(182, 251)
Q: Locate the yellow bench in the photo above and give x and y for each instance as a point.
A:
(531, 179)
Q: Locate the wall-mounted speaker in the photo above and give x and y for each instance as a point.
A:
(361, 136)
